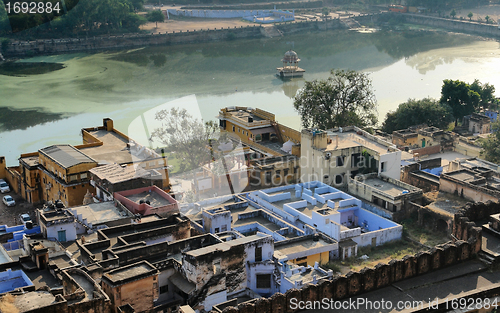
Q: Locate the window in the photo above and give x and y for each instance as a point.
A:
(217, 266)
(83, 175)
(285, 172)
(164, 289)
(233, 129)
(268, 177)
(223, 228)
(340, 161)
(216, 230)
(263, 280)
(258, 254)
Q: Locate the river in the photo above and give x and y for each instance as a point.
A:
(45, 105)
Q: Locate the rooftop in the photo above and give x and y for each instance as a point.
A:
(225, 246)
(115, 173)
(100, 213)
(351, 139)
(387, 187)
(33, 300)
(138, 270)
(31, 160)
(155, 200)
(115, 149)
(300, 246)
(66, 155)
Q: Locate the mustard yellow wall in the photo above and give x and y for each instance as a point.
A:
(321, 258)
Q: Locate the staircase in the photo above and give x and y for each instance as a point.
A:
(277, 130)
(270, 31)
(350, 23)
(486, 258)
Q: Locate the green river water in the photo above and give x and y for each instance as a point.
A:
(42, 103)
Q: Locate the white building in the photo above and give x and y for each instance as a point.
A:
(332, 156)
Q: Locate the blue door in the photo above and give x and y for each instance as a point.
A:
(61, 236)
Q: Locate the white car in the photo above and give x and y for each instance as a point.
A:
(24, 218)
(4, 187)
(8, 201)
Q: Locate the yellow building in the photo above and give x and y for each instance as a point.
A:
(64, 174)
(258, 128)
(60, 172)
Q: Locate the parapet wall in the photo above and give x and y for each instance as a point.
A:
(368, 279)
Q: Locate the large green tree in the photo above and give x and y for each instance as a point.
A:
(343, 99)
(414, 112)
(464, 98)
(156, 16)
(491, 145)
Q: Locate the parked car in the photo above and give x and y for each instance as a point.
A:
(4, 187)
(8, 201)
(25, 218)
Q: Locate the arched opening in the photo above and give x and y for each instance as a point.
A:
(441, 226)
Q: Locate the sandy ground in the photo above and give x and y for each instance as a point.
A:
(191, 24)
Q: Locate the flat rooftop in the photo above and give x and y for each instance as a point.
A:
(67, 155)
(99, 213)
(462, 175)
(300, 246)
(387, 187)
(31, 161)
(131, 271)
(352, 139)
(113, 150)
(224, 246)
(244, 115)
(33, 300)
(115, 173)
(155, 199)
(306, 276)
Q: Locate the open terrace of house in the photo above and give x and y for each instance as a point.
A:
(296, 248)
(113, 150)
(350, 139)
(100, 213)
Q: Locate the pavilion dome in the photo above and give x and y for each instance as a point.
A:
(290, 56)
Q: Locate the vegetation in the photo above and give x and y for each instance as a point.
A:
(345, 98)
(464, 98)
(88, 16)
(156, 16)
(453, 13)
(414, 112)
(470, 15)
(186, 136)
(491, 145)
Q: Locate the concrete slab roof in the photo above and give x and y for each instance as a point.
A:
(31, 160)
(387, 187)
(66, 155)
(155, 199)
(99, 213)
(113, 150)
(300, 246)
(115, 173)
(225, 246)
(34, 300)
(134, 271)
(351, 139)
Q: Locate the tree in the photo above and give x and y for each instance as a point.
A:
(343, 99)
(470, 15)
(453, 13)
(491, 145)
(156, 16)
(487, 18)
(414, 112)
(188, 137)
(465, 99)
(325, 11)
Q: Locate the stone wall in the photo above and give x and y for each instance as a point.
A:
(58, 46)
(462, 26)
(368, 279)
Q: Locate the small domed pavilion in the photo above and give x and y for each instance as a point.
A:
(290, 66)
